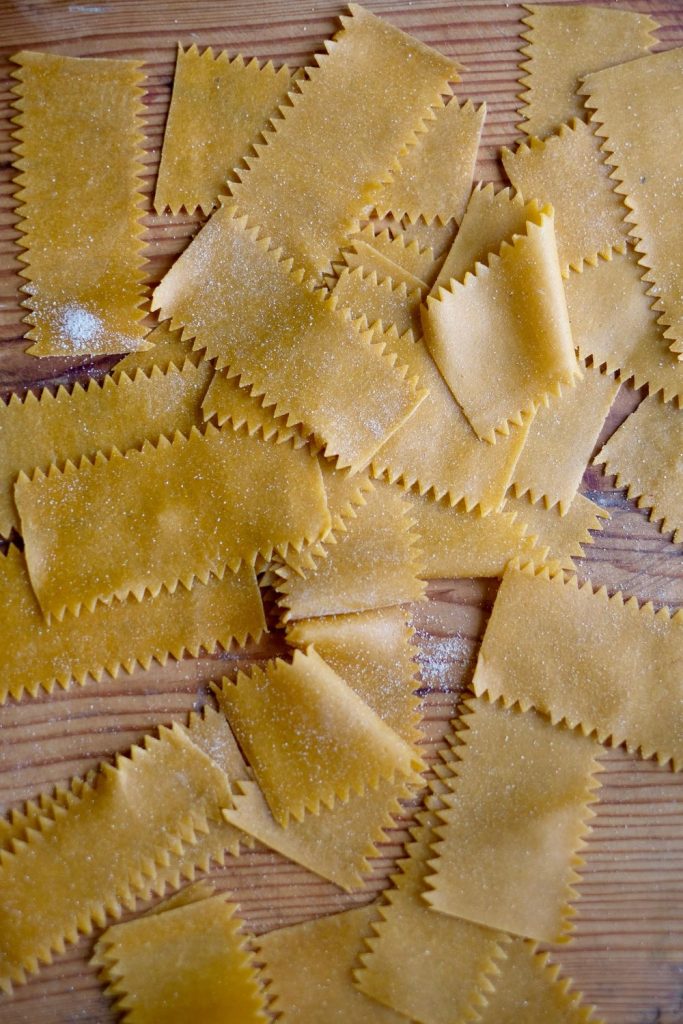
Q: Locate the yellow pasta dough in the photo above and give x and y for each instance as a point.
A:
(218, 108)
(40, 653)
(80, 166)
(566, 42)
(288, 344)
(643, 144)
(308, 967)
(580, 657)
(137, 522)
(569, 171)
(180, 962)
(331, 150)
(309, 737)
(501, 338)
(645, 456)
(558, 538)
(121, 413)
(512, 822)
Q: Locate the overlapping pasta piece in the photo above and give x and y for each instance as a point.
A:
(558, 539)
(337, 843)
(166, 347)
(119, 412)
(511, 315)
(561, 440)
(374, 563)
(41, 653)
(566, 42)
(427, 966)
(308, 971)
(612, 322)
(82, 863)
(456, 544)
(183, 960)
(528, 990)
(138, 522)
(394, 302)
(373, 654)
(227, 402)
(380, 250)
(295, 350)
(599, 664)
(642, 143)
(330, 152)
(309, 738)
(435, 176)
(569, 171)
(80, 202)
(513, 820)
(219, 107)
(645, 456)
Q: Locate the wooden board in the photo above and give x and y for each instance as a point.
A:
(628, 953)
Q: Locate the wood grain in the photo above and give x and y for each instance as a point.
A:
(628, 952)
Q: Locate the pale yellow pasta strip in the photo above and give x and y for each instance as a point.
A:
(289, 345)
(119, 412)
(83, 862)
(328, 155)
(612, 322)
(569, 171)
(437, 451)
(337, 843)
(374, 563)
(186, 961)
(309, 738)
(435, 176)
(580, 657)
(513, 821)
(146, 520)
(558, 539)
(561, 440)
(373, 654)
(219, 107)
(566, 42)
(80, 199)
(308, 968)
(456, 544)
(380, 298)
(42, 653)
(501, 338)
(642, 138)
(645, 456)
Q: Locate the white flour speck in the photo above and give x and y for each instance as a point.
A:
(79, 326)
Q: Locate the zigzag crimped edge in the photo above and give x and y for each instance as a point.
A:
(336, 794)
(631, 606)
(634, 493)
(621, 189)
(533, 144)
(624, 374)
(272, 430)
(372, 279)
(415, 719)
(257, 390)
(112, 974)
(169, 585)
(425, 824)
(282, 586)
(470, 280)
(412, 214)
(112, 668)
(574, 861)
(371, 237)
(22, 199)
(527, 80)
(361, 866)
(541, 550)
(385, 267)
(300, 85)
(123, 895)
(250, 66)
(572, 998)
(381, 470)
